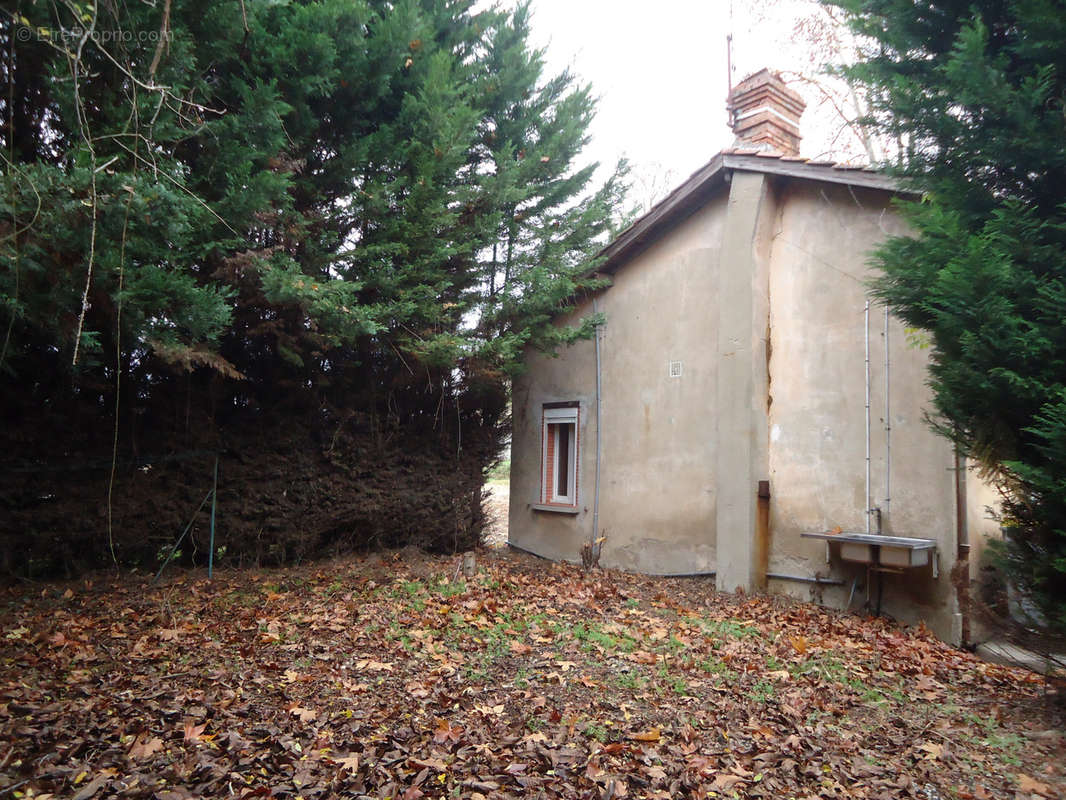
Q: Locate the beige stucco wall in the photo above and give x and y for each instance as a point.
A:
(657, 493)
(570, 376)
(817, 414)
(760, 295)
(982, 503)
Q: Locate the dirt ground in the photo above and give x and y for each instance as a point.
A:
(393, 675)
(496, 507)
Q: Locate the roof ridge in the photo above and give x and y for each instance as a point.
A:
(694, 187)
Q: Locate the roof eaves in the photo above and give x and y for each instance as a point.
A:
(683, 200)
(828, 171)
(643, 231)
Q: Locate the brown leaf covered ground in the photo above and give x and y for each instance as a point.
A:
(388, 677)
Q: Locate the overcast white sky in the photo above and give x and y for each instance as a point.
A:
(659, 68)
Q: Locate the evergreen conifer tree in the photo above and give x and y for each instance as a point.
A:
(320, 207)
(975, 93)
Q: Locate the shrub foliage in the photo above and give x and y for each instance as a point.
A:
(314, 236)
(973, 92)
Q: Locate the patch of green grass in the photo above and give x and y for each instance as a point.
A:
(557, 628)
(516, 623)
(487, 581)
(714, 666)
(874, 697)
(630, 681)
(670, 682)
(762, 692)
(990, 736)
(696, 722)
(827, 668)
(474, 674)
(595, 730)
(521, 678)
(677, 684)
(407, 589)
(1008, 745)
(497, 646)
(727, 629)
(450, 588)
(674, 645)
(282, 633)
(333, 588)
(593, 636)
(239, 597)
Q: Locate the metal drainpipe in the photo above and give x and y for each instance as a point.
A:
(866, 326)
(779, 576)
(888, 424)
(599, 438)
(962, 540)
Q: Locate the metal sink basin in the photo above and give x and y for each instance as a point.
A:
(888, 551)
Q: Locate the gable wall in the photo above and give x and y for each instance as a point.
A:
(657, 495)
(821, 242)
(780, 397)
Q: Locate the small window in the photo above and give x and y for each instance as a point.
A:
(559, 471)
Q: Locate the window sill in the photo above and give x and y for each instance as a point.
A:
(555, 509)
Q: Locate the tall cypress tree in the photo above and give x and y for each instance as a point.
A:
(975, 92)
(285, 212)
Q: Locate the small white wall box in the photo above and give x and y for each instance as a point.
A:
(675, 369)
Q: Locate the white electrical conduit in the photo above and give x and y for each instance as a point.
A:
(866, 326)
(888, 424)
(599, 438)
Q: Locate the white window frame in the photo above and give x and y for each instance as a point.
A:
(556, 417)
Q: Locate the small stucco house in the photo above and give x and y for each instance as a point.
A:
(744, 411)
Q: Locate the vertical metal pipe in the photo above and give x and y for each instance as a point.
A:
(729, 67)
(599, 434)
(866, 327)
(888, 421)
(962, 544)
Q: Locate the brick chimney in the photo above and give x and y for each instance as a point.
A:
(764, 113)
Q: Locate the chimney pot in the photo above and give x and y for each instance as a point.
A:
(764, 113)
